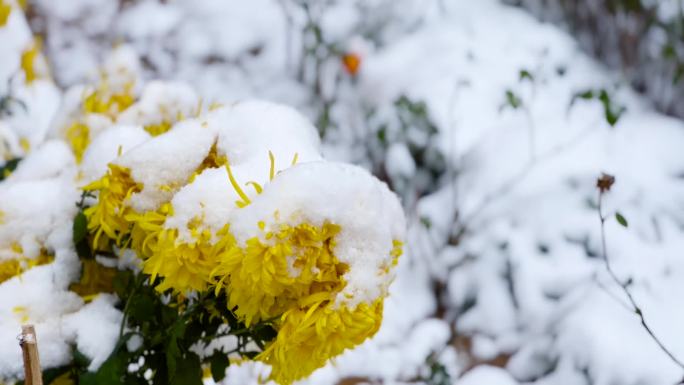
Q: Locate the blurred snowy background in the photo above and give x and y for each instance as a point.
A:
(492, 120)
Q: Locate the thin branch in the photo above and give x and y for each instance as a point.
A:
(635, 307)
(617, 299)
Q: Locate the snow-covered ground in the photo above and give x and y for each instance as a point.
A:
(503, 281)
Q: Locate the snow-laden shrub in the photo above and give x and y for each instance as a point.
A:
(207, 222)
(239, 201)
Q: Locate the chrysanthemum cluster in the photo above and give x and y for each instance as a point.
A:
(118, 98)
(27, 95)
(237, 199)
(232, 200)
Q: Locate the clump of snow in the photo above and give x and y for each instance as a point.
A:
(32, 121)
(487, 375)
(34, 212)
(121, 68)
(400, 163)
(51, 159)
(248, 373)
(249, 130)
(58, 314)
(184, 146)
(107, 146)
(162, 102)
(249, 133)
(95, 329)
(209, 197)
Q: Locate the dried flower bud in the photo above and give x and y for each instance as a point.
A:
(605, 182)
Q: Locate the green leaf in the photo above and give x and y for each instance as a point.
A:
(219, 362)
(525, 74)
(9, 166)
(669, 52)
(584, 95)
(141, 307)
(513, 100)
(112, 370)
(611, 111)
(679, 73)
(382, 135)
(266, 333)
(621, 219)
(122, 281)
(80, 228)
(80, 359)
(83, 250)
(172, 355)
(49, 375)
(79, 233)
(438, 373)
(173, 350)
(188, 371)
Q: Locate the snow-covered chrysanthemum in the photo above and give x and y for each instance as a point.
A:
(241, 202)
(89, 109)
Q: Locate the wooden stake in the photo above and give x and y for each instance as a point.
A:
(29, 348)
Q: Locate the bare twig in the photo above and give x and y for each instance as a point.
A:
(604, 184)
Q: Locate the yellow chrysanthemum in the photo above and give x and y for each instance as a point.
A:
(28, 61)
(103, 101)
(158, 128)
(95, 279)
(108, 216)
(295, 273)
(22, 313)
(5, 11)
(263, 280)
(100, 101)
(308, 337)
(9, 268)
(111, 216)
(167, 121)
(78, 135)
(183, 266)
(145, 227)
(25, 144)
(212, 160)
(16, 266)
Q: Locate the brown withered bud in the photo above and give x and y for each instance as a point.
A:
(605, 182)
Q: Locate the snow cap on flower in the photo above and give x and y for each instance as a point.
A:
(88, 109)
(161, 105)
